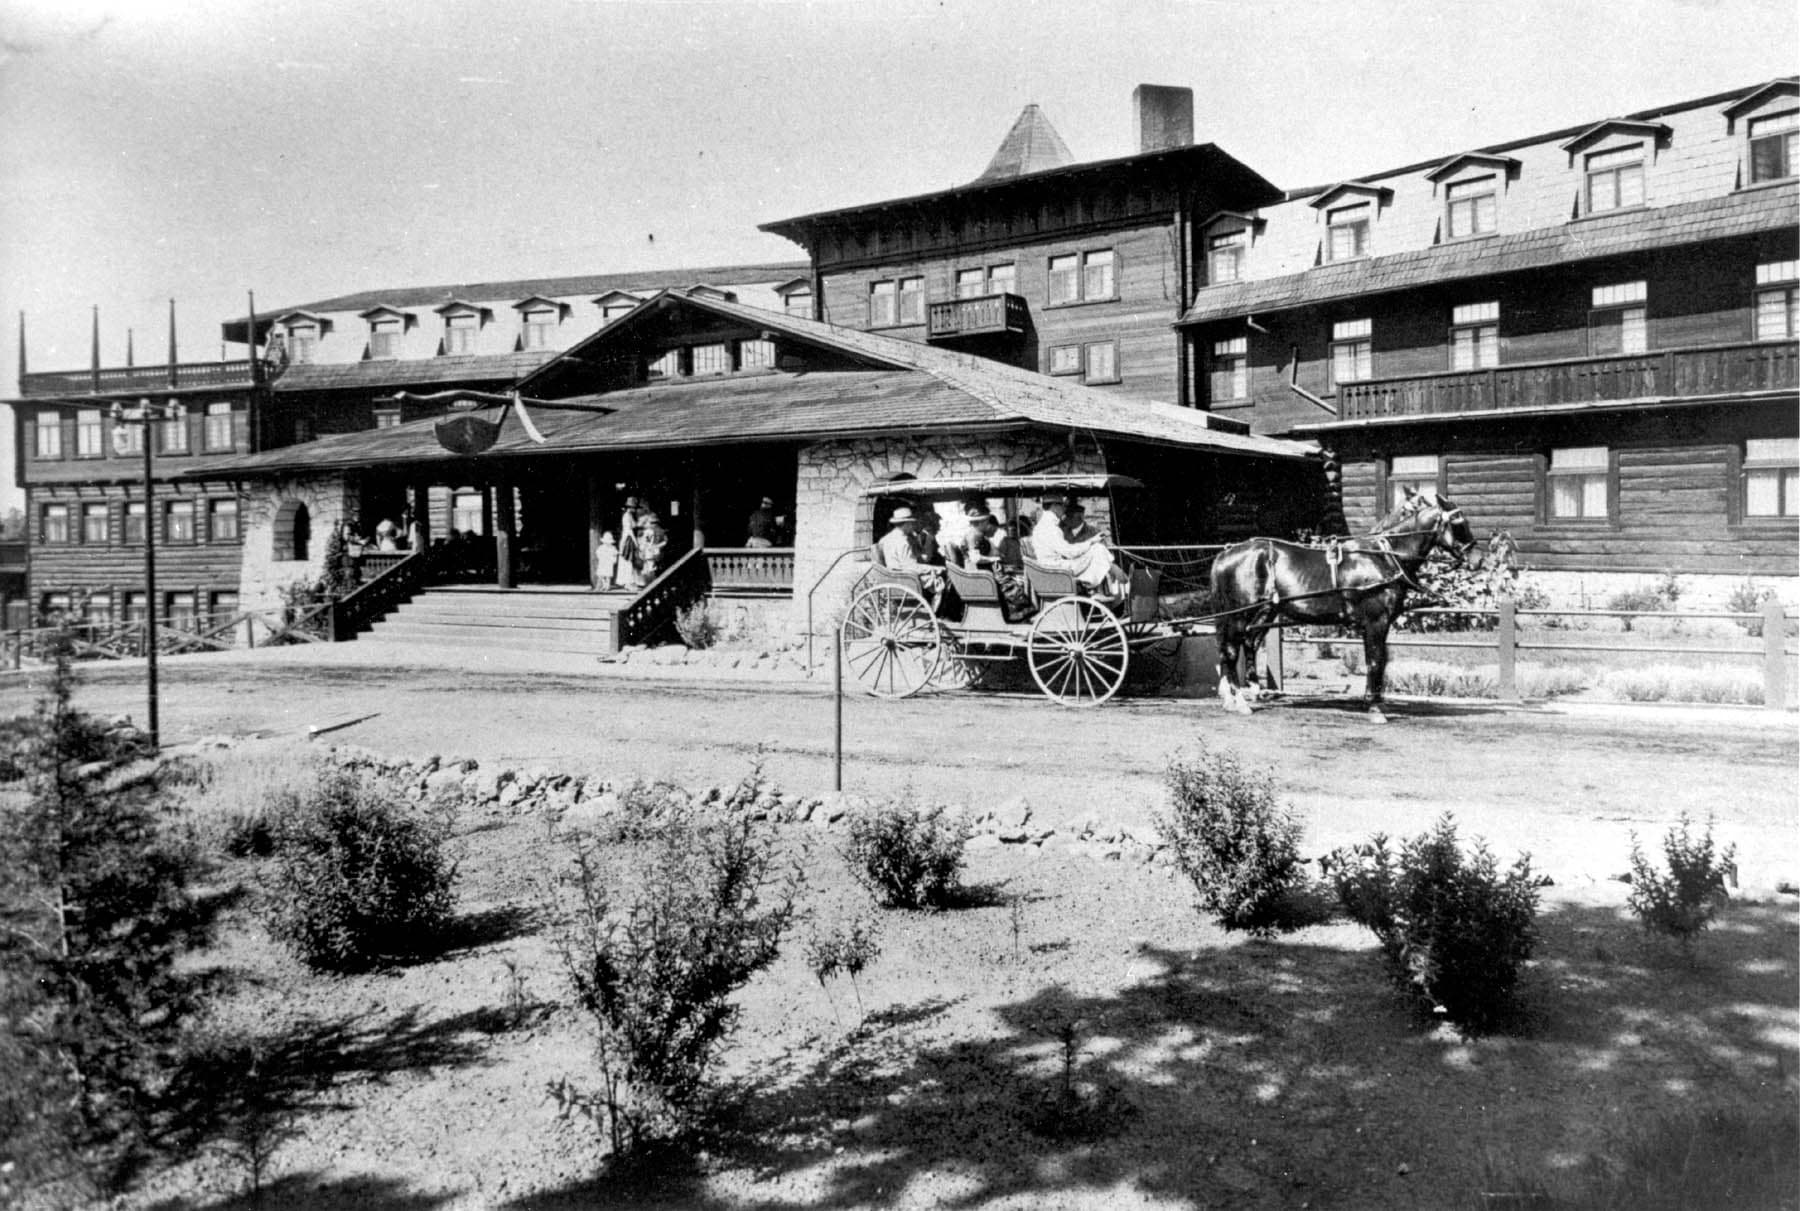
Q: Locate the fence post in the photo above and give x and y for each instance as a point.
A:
(1509, 650)
(250, 633)
(1775, 685)
(1276, 666)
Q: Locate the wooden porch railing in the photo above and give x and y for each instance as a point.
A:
(405, 573)
(141, 378)
(751, 569)
(655, 607)
(1670, 373)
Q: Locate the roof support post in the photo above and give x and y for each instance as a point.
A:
(505, 573)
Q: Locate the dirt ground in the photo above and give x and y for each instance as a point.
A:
(1246, 1073)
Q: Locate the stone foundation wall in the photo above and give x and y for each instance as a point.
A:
(830, 517)
(329, 499)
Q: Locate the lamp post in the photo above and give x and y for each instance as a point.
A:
(143, 416)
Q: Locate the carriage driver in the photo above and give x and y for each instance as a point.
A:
(1088, 558)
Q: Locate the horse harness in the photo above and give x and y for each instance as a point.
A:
(1334, 556)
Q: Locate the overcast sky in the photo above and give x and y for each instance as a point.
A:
(157, 149)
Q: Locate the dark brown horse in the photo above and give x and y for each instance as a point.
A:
(1360, 582)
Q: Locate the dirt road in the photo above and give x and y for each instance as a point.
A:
(1567, 784)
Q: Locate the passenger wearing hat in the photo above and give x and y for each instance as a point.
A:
(1087, 558)
(900, 551)
(986, 551)
(762, 527)
(629, 553)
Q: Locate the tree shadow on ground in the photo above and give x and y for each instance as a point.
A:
(306, 1192)
(487, 927)
(1265, 1074)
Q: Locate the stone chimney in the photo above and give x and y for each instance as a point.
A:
(1164, 116)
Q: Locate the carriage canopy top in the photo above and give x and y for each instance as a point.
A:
(957, 486)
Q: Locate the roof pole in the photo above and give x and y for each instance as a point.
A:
(21, 343)
(94, 353)
(130, 355)
(172, 381)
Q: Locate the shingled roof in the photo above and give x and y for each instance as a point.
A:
(394, 372)
(1032, 145)
(1744, 213)
(904, 388)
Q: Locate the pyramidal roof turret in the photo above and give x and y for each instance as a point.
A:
(1032, 145)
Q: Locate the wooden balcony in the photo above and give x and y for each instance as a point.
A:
(123, 380)
(982, 315)
(1669, 374)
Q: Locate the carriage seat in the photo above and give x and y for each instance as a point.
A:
(1046, 583)
(880, 573)
(979, 592)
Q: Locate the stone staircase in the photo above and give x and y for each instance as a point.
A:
(483, 618)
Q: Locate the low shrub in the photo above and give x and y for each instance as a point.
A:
(1432, 679)
(1746, 598)
(658, 977)
(906, 856)
(359, 877)
(234, 797)
(1449, 585)
(1672, 683)
(1233, 841)
(1684, 901)
(1454, 930)
(699, 625)
(1662, 595)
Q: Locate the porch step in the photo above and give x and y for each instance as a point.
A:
(525, 620)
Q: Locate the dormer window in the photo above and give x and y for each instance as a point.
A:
(539, 328)
(1774, 146)
(1349, 231)
(460, 331)
(1225, 256)
(1615, 178)
(796, 298)
(384, 336)
(1470, 207)
(302, 343)
(615, 304)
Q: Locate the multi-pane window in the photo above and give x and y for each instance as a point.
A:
(218, 426)
(302, 343)
(55, 523)
(1077, 277)
(466, 513)
(666, 366)
(1578, 482)
(178, 611)
(1773, 146)
(884, 299)
(178, 521)
(387, 418)
(990, 279)
(1349, 231)
(222, 521)
(49, 435)
(128, 439)
(1352, 351)
(1617, 324)
(1772, 477)
(1065, 359)
(1230, 369)
(1615, 178)
(1102, 358)
(1475, 336)
(459, 332)
(1416, 471)
(174, 429)
(222, 607)
(912, 300)
(540, 328)
(1775, 290)
(134, 522)
(1225, 256)
(798, 302)
(56, 606)
(1472, 206)
(94, 523)
(711, 359)
(756, 355)
(134, 608)
(99, 609)
(384, 337)
(88, 434)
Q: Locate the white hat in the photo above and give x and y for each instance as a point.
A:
(901, 514)
(768, 503)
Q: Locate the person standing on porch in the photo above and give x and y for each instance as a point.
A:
(629, 554)
(762, 526)
(606, 563)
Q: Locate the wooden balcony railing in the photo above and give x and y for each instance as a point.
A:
(1669, 374)
(751, 569)
(117, 380)
(978, 316)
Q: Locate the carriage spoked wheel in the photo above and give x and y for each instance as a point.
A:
(1078, 652)
(892, 642)
(959, 671)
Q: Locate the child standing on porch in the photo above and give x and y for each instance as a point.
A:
(606, 563)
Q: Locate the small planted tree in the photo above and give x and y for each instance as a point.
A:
(1455, 930)
(1684, 901)
(94, 912)
(1234, 842)
(657, 976)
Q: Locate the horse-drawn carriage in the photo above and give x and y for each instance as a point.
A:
(898, 638)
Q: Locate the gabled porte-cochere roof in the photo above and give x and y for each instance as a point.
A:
(875, 385)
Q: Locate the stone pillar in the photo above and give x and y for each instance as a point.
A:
(502, 494)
